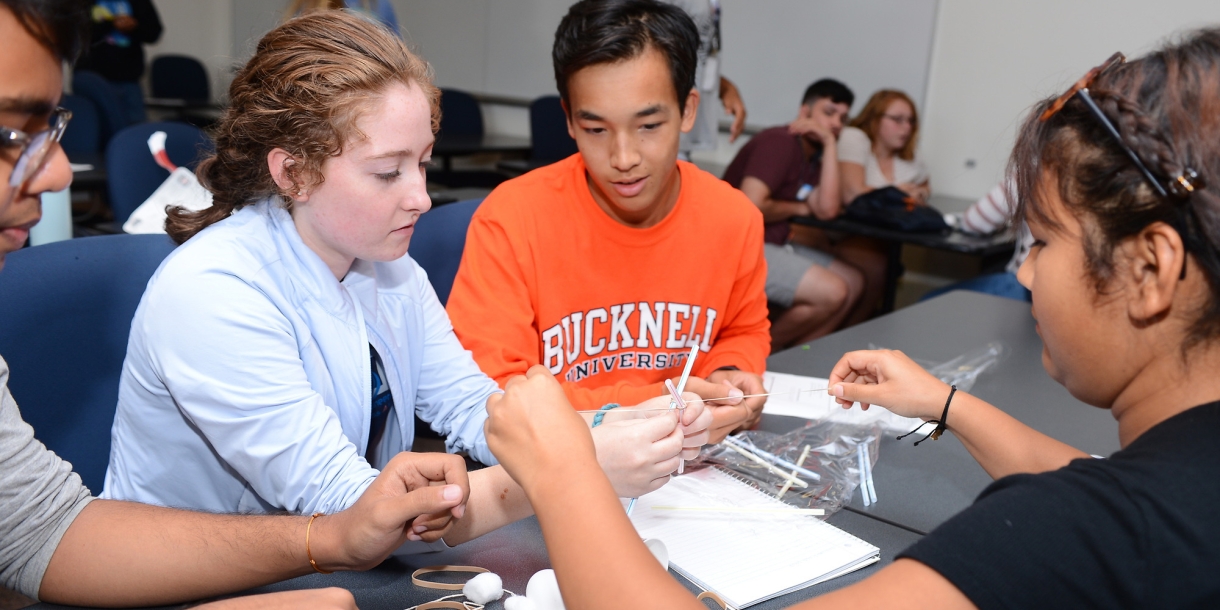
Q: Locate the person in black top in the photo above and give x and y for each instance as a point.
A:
(119, 30)
(1119, 181)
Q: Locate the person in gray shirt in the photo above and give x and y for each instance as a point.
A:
(709, 82)
(60, 545)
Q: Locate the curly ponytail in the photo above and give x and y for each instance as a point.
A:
(303, 92)
(1166, 107)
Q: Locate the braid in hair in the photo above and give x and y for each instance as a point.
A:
(1166, 108)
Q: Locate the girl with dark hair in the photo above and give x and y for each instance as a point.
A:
(282, 353)
(1119, 180)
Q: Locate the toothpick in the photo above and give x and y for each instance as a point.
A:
(797, 392)
(765, 463)
(801, 462)
(734, 509)
(774, 459)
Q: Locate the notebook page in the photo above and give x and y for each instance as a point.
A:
(745, 558)
(795, 398)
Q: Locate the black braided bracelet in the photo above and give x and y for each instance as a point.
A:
(941, 424)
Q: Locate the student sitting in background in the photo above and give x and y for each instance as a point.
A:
(878, 148)
(59, 544)
(993, 213)
(609, 266)
(793, 170)
(120, 29)
(280, 355)
(1125, 275)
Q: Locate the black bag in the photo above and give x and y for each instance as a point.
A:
(890, 208)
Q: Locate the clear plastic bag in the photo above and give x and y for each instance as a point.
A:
(965, 369)
(832, 455)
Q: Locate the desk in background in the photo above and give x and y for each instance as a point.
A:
(918, 487)
(991, 248)
(447, 147)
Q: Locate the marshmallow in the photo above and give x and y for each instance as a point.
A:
(519, 602)
(543, 591)
(484, 588)
(659, 551)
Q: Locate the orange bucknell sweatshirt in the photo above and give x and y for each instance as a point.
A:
(548, 278)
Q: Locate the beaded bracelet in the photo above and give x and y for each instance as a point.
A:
(597, 419)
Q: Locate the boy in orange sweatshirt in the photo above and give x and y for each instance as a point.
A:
(608, 266)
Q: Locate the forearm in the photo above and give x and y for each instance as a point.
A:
(778, 210)
(828, 200)
(1001, 444)
(495, 501)
(121, 553)
(573, 528)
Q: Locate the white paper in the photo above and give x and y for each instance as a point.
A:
(806, 397)
(744, 558)
(181, 188)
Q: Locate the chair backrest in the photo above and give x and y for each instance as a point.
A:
(179, 77)
(438, 241)
(65, 313)
(84, 133)
(91, 85)
(133, 175)
(549, 139)
(460, 114)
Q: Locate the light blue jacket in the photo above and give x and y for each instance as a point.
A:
(247, 388)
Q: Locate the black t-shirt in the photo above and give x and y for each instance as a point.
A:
(1138, 530)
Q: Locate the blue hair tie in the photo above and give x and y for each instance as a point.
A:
(597, 419)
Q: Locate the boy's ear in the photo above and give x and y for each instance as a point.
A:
(567, 117)
(690, 110)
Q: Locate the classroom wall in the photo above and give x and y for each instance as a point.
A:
(202, 30)
(992, 60)
(973, 67)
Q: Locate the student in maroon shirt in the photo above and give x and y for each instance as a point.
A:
(793, 170)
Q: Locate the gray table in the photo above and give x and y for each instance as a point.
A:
(920, 487)
(517, 551)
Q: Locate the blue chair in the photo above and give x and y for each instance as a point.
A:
(438, 241)
(549, 138)
(65, 313)
(179, 77)
(84, 133)
(96, 89)
(460, 114)
(134, 175)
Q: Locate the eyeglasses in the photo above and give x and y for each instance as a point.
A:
(901, 120)
(1180, 186)
(34, 147)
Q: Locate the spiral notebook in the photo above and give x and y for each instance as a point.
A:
(745, 558)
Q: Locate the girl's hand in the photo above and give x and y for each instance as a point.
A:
(638, 454)
(532, 428)
(890, 379)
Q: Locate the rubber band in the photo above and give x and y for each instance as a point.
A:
(716, 598)
(597, 419)
(444, 586)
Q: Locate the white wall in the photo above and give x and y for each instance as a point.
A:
(201, 29)
(973, 67)
(992, 60)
